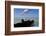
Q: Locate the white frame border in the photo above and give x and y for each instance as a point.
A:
(26, 28)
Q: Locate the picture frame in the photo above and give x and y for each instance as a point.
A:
(10, 5)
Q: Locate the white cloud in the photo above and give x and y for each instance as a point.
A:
(25, 10)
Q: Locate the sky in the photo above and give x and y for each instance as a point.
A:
(26, 14)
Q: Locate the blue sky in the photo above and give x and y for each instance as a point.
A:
(24, 13)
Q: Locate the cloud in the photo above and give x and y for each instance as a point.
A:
(23, 12)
